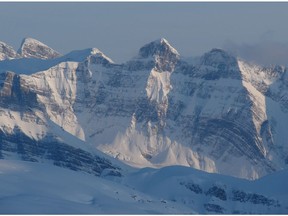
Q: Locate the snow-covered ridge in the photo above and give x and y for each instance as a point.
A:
(218, 115)
(81, 55)
(33, 65)
(30, 188)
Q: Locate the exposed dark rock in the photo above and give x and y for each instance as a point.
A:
(213, 208)
(257, 199)
(218, 192)
(193, 187)
(60, 153)
(31, 48)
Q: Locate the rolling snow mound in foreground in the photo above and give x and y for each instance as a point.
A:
(35, 188)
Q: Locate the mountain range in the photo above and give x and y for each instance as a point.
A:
(81, 111)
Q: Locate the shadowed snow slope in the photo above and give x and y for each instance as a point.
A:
(220, 115)
(38, 188)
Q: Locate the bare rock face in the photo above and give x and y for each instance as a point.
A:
(219, 115)
(7, 52)
(32, 48)
(164, 55)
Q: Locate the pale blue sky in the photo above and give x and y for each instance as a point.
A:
(120, 29)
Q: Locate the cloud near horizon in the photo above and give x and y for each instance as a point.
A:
(264, 52)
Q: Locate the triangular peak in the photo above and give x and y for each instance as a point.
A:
(217, 64)
(218, 56)
(158, 47)
(97, 53)
(92, 53)
(32, 48)
(7, 52)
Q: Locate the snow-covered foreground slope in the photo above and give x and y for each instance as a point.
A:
(214, 193)
(38, 188)
(33, 188)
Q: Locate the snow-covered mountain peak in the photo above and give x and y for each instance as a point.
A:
(80, 55)
(218, 63)
(217, 57)
(93, 54)
(7, 52)
(218, 114)
(32, 48)
(29, 40)
(165, 42)
(161, 54)
(158, 47)
(97, 53)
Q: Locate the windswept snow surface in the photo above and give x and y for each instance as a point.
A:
(32, 188)
(32, 65)
(37, 188)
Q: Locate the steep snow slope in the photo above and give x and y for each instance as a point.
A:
(38, 122)
(31, 188)
(201, 116)
(268, 89)
(219, 115)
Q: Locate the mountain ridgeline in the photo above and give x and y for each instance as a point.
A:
(220, 115)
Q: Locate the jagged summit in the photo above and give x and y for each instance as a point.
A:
(218, 115)
(162, 53)
(7, 52)
(158, 47)
(32, 48)
(216, 57)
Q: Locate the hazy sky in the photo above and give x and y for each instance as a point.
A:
(120, 29)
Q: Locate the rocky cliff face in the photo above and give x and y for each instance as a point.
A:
(32, 48)
(7, 52)
(220, 115)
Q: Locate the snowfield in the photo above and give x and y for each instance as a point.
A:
(33, 188)
(36, 188)
(80, 134)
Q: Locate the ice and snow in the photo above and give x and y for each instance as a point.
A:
(9, 120)
(88, 102)
(164, 41)
(158, 86)
(59, 87)
(38, 188)
(31, 188)
(32, 48)
(97, 101)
